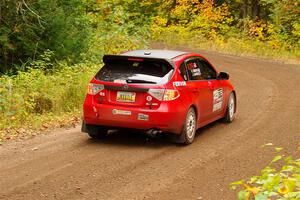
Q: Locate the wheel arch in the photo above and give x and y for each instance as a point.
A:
(196, 111)
(235, 102)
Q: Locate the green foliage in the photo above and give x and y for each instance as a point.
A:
(37, 92)
(118, 26)
(28, 28)
(49, 49)
(281, 184)
(82, 30)
(224, 26)
(47, 84)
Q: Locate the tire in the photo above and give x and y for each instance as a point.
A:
(230, 110)
(94, 131)
(189, 128)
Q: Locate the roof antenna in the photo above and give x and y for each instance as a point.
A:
(147, 53)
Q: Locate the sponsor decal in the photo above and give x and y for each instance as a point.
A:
(149, 98)
(151, 104)
(196, 72)
(179, 83)
(143, 117)
(217, 99)
(121, 112)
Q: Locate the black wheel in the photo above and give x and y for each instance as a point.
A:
(94, 131)
(189, 129)
(230, 111)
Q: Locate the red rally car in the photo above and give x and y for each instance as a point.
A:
(157, 91)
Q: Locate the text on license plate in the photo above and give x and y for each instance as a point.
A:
(125, 96)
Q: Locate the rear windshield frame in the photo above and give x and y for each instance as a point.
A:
(115, 58)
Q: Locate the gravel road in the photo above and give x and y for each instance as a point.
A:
(66, 164)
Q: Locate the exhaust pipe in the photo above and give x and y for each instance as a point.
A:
(153, 132)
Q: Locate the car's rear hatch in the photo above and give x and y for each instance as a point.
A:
(132, 81)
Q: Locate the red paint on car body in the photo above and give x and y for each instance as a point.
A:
(120, 101)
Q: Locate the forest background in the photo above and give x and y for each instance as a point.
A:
(49, 49)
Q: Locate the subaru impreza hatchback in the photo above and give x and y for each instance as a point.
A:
(157, 91)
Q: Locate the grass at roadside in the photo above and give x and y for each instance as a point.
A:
(36, 100)
(231, 45)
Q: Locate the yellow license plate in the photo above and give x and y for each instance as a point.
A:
(125, 96)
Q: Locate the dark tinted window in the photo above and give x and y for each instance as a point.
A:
(183, 73)
(128, 71)
(194, 71)
(207, 71)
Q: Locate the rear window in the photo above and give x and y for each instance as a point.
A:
(131, 71)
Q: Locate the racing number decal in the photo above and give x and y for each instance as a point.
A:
(218, 99)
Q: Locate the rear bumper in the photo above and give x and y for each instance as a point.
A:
(167, 118)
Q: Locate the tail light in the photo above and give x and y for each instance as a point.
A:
(171, 95)
(157, 93)
(94, 88)
(164, 94)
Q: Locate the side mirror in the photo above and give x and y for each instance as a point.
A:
(223, 76)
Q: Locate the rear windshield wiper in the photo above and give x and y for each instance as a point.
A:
(139, 81)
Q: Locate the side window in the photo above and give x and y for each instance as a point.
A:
(182, 70)
(193, 69)
(207, 70)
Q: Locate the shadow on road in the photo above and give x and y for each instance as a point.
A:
(138, 139)
(131, 138)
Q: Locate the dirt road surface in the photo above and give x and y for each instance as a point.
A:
(68, 165)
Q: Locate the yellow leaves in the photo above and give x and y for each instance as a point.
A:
(288, 186)
(244, 195)
(296, 30)
(283, 190)
(276, 158)
(272, 183)
(263, 31)
(200, 17)
(252, 190)
(17, 29)
(160, 21)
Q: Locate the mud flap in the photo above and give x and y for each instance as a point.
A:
(84, 127)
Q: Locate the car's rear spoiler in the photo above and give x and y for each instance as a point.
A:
(107, 58)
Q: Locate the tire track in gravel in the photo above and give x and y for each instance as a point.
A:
(67, 165)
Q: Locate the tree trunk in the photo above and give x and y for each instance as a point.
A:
(255, 9)
(244, 8)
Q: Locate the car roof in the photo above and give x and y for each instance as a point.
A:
(155, 53)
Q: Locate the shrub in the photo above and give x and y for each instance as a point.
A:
(273, 183)
(38, 92)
